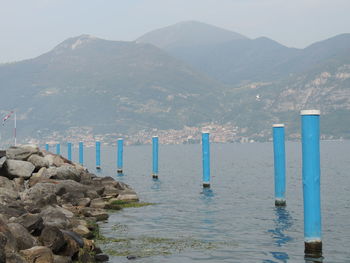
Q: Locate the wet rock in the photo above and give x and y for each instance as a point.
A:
(38, 254)
(55, 217)
(52, 238)
(83, 231)
(38, 161)
(131, 257)
(21, 152)
(98, 214)
(61, 259)
(98, 203)
(127, 195)
(101, 258)
(23, 238)
(110, 192)
(32, 222)
(17, 168)
(67, 172)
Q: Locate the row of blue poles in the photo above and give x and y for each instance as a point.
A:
(310, 134)
(98, 153)
(310, 171)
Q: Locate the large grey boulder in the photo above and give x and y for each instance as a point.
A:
(67, 172)
(21, 152)
(16, 168)
(23, 238)
(55, 217)
(40, 195)
(38, 161)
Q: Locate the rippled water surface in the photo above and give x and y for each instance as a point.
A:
(234, 221)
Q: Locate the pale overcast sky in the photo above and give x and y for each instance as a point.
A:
(29, 28)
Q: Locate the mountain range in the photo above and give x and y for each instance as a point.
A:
(182, 75)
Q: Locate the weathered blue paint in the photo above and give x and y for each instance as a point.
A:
(69, 151)
(120, 155)
(280, 164)
(98, 155)
(81, 153)
(310, 123)
(206, 159)
(47, 147)
(155, 156)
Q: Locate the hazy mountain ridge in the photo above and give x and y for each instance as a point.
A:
(116, 86)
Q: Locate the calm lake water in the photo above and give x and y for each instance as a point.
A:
(235, 221)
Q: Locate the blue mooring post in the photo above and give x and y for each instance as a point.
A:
(280, 164)
(206, 159)
(69, 150)
(81, 153)
(47, 147)
(120, 156)
(155, 157)
(58, 149)
(98, 155)
(310, 125)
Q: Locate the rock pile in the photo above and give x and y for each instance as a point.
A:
(49, 207)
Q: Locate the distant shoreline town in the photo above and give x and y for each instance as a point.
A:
(227, 133)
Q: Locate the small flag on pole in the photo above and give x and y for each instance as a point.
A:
(6, 118)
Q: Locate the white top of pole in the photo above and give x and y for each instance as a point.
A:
(120, 139)
(205, 131)
(278, 125)
(154, 136)
(310, 112)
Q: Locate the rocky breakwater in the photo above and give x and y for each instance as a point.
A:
(49, 207)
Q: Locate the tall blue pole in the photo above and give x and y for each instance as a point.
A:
(280, 164)
(98, 155)
(69, 150)
(120, 156)
(47, 147)
(155, 157)
(206, 159)
(81, 153)
(310, 125)
(58, 149)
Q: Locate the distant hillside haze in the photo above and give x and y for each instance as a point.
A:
(111, 85)
(187, 74)
(188, 34)
(237, 59)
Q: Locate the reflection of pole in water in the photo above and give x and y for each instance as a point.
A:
(283, 221)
